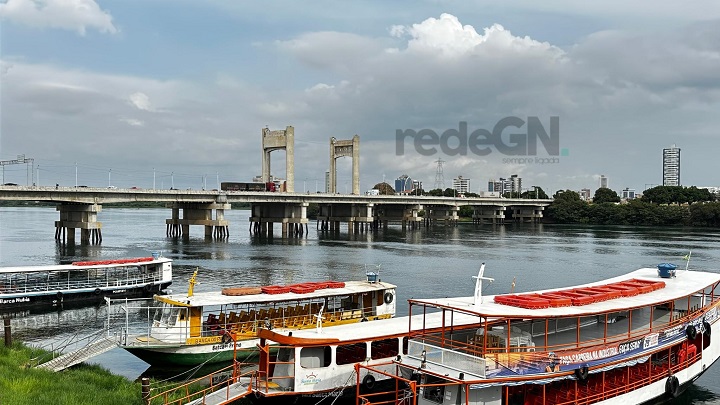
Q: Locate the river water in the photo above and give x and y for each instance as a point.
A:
(425, 263)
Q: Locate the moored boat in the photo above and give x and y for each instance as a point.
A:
(37, 288)
(207, 327)
(637, 338)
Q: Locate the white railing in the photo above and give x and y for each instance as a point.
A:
(447, 358)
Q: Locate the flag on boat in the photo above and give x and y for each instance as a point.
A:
(686, 257)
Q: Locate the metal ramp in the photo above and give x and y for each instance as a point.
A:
(78, 356)
(225, 395)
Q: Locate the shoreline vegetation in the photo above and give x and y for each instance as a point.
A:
(659, 206)
(21, 384)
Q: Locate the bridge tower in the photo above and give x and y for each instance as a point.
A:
(340, 148)
(276, 140)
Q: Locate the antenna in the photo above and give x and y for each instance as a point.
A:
(439, 178)
(478, 284)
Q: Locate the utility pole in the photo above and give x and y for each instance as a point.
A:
(153, 178)
(75, 174)
(109, 178)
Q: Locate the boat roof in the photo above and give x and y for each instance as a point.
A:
(683, 284)
(374, 330)
(70, 267)
(200, 299)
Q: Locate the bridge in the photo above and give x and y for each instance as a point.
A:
(79, 208)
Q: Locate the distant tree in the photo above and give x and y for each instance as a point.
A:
(384, 189)
(535, 192)
(567, 195)
(449, 192)
(567, 208)
(677, 195)
(604, 194)
(435, 192)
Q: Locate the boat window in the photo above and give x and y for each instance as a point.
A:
(405, 341)
(384, 348)
(592, 329)
(349, 354)
(315, 357)
(169, 315)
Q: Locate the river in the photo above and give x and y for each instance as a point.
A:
(426, 263)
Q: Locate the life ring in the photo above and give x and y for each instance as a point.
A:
(98, 291)
(672, 386)
(691, 332)
(148, 287)
(226, 338)
(582, 373)
(59, 295)
(388, 297)
(708, 329)
(368, 382)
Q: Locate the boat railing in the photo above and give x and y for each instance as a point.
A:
(45, 285)
(446, 357)
(130, 323)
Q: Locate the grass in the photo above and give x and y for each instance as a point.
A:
(21, 384)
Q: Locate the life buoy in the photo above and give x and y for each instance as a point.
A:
(708, 329)
(148, 287)
(388, 297)
(368, 382)
(582, 373)
(98, 291)
(59, 295)
(672, 386)
(691, 332)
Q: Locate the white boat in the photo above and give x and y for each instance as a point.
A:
(207, 327)
(52, 287)
(637, 338)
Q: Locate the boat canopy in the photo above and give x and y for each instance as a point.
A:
(75, 267)
(200, 299)
(685, 283)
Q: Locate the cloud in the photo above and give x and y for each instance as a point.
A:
(76, 15)
(141, 101)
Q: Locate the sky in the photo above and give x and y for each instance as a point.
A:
(176, 93)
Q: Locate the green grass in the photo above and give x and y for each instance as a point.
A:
(83, 384)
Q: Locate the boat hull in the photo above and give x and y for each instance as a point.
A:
(69, 299)
(193, 355)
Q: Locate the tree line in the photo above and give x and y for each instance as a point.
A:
(662, 205)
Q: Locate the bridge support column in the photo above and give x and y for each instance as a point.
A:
(359, 216)
(527, 213)
(492, 213)
(292, 218)
(198, 214)
(446, 213)
(80, 216)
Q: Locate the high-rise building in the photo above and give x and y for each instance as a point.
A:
(403, 184)
(603, 181)
(671, 166)
(585, 194)
(515, 184)
(461, 185)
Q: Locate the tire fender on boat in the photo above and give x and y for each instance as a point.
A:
(368, 382)
(388, 297)
(148, 287)
(708, 329)
(691, 332)
(59, 295)
(98, 291)
(672, 386)
(582, 373)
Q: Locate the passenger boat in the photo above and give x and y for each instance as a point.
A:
(60, 286)
(208, 327)
(638, 338)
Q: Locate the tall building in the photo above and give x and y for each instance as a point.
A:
(671, 166)
(603, 181)
(505, 186)
(403, 184)
(585, 194)
(461, 185)
(515, 184)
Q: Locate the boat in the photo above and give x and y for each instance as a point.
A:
(52, 287)
(642, 337)
(209, 327)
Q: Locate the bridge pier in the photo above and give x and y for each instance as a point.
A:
(406, 214)
(78, 216)
(291, 216)
(359, 217)
(494, 214)
(198, 214)
(527, 213)
(446, 213)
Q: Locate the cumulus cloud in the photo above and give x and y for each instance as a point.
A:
(76, 15)
(141, 101)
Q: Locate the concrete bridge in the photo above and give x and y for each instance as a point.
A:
(79, 207)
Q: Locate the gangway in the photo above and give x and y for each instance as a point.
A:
(220, 388)
(227, 395)
(80, 355)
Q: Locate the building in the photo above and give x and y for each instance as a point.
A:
(603, 181)
(515, 184)
(628, 194)
(461, 185)
(585, 194)
(404, 185)
(505, 186)
(671, 166)
(417, 185)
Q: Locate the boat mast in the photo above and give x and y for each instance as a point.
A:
(478, 284)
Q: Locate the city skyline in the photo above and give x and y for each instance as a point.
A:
(143, 92)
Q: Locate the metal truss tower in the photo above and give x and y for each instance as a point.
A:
(439, 178)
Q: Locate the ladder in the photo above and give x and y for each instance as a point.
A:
(78, 356)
